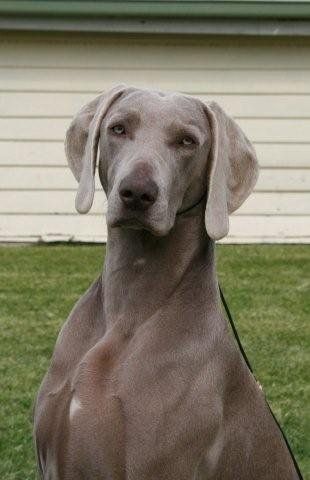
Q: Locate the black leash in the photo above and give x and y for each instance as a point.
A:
(251, 370)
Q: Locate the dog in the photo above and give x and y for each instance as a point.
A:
(146, 381)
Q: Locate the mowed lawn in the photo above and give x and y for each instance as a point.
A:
(267, 289)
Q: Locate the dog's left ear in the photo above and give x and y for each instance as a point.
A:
(232, 172)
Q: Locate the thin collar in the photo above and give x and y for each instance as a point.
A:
(192, 206)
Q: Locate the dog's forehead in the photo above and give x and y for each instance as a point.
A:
(169, 105)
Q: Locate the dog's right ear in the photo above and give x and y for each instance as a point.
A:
(81, 145)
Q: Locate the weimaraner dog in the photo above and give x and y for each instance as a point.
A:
(146, 381)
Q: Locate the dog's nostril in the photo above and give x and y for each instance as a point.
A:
(126, 193)
(147, 198)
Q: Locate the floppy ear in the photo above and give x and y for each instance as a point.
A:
(233, 171)
(81, 145)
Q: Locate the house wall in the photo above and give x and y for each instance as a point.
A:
(263, 82)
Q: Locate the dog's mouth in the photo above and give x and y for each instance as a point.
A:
(135, 223)
(156, 219)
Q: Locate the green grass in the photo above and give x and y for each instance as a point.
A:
(267, 289)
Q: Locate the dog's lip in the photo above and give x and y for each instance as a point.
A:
(135, 223)
(130, 222)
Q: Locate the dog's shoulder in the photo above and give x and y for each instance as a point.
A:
(84, 326)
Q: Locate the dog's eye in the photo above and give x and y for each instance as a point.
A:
(186, 141)
(118, 129)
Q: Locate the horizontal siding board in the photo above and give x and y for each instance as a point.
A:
(97, 238)
(36, 104)
(33, 153)
(258, 130)
(263, 106)
(275, 203)
(283, 155)
(187, 80)
(279, 130)
(260, 227)
(113, 51)
(33, 129)
(283, 180)
(52, 153)
(61, 178)
(263, 240)
(62, 202)
(71, 226)
(52, 225)
(46, 202)
(37, 178)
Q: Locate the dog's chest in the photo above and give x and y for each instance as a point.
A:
(125, 412)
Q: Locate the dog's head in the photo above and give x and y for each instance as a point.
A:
(159, 154)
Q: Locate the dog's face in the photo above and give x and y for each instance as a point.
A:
(159, 154)
(153, 162)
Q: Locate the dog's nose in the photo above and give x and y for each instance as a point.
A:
(138, 193)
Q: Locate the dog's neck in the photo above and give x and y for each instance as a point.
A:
(143, 273)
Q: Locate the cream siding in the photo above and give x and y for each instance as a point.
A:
(264, 83)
